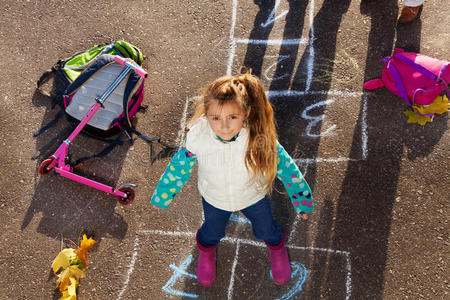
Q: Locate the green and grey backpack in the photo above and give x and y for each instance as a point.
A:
(86, 69)
(67, 70)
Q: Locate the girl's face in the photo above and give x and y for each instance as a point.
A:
(226, 120)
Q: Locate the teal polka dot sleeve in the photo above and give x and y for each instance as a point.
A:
(297, 188)
(174, 178)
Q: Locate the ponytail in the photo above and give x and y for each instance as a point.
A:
(261, 156)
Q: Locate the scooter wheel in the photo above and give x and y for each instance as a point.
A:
(129, 198)
(43, 170)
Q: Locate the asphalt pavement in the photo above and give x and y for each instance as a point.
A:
(380, 227)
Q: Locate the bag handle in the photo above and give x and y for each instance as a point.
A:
(398, 82)
(417, 67)
(442, 71)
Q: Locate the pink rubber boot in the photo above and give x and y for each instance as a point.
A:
(281, 268)
(206, 268)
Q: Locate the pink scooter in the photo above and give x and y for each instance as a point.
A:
(57, 161)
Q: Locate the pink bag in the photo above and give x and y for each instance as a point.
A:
(417, 78)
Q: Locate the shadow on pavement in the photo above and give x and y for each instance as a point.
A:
(364, 208)
(359, 221)
(65, 208)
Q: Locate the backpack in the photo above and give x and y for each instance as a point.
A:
(67, 70)
(417, 78)
(116, 114)
(121, 105)
(421, 81)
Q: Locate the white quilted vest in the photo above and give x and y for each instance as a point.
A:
(223, 179)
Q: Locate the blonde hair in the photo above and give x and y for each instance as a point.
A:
(247, 91)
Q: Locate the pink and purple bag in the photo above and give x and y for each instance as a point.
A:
(417, 78)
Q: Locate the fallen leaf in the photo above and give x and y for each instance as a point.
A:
(72, 289)
(63, 259)
(438, 106)
(414, 117)
(77, 262)
(73, 263)
(66, 296)
(81, 252)
(64, 277)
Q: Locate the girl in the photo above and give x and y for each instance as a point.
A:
(232, 137)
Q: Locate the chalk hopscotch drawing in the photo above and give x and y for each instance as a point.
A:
(324, 66)
(313, 120)
(178, 272)
(298, 276)
(271, 19)
(299, 271)
(239, 219)
(343, 60)
(280, 58)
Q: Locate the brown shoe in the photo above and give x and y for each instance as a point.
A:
(408, 14)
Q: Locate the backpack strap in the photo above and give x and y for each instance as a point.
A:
(128, 128)
(417, 67)
(62, 134)
(45, 76)
(56, 100)
(398, 82)
(112, 144)
(49, 124)
(442, 71)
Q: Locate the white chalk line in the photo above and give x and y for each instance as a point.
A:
(324, 160)
(274, 94)
(233, 269)
(180, 135)
(232, 40)
(272, 42)
(130, 267)
(365, 137)
(311, 57)
(272, 18)
(348, 282)
(236, 241)
(294, 228)
(293, 93)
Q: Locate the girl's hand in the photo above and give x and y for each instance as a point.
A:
(304, 215)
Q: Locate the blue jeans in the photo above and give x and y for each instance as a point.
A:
(260, 215)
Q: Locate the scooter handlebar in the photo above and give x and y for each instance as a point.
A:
(124, 62)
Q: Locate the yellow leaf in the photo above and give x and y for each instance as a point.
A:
(63, 259)
(438, 106)
(66, 296)
(81, 252)
(71, 292)
(414, 117)
(64, 277)
(72, 289)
